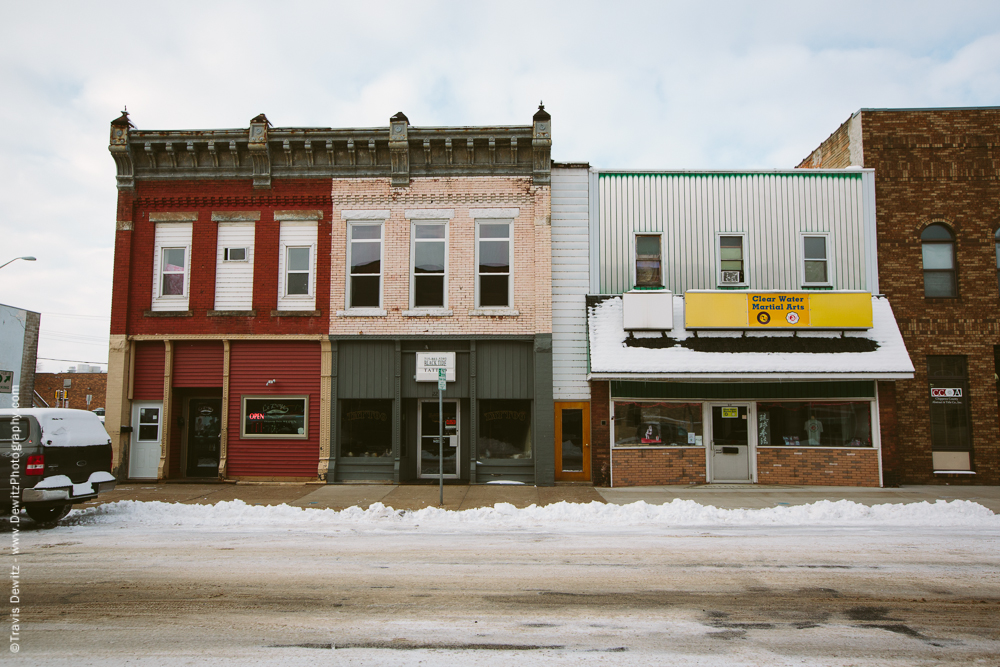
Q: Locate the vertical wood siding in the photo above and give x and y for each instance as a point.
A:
(570, 282)
(234, 280)
(147, 385)
(296, 367)
(366, 369)
(197, 364)
(504, 370)
(772, 209)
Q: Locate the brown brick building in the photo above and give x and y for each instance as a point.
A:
(937, 183)
(79, 386)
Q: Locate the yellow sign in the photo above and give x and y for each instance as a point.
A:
(730, 413)
(728, 309)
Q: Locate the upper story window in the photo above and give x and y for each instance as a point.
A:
(429, 253)
(494, 287)
(816, 260)
(171, 266)
(234, 266)
(731, 260)
(364, 250)
(297, 266)
(938, 250)
(648, 260)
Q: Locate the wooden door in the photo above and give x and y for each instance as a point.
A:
(573, 441)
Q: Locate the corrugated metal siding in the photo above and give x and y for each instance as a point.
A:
(197, 364)
(570, 282)
(296, 367)
(366, 369)
(234, 280)
(772, 209)
(171, 235)
(147, 384)
(504, 370)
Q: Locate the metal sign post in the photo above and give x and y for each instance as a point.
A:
(442, 385)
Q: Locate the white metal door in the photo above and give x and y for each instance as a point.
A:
(730, 447)
(144, 452)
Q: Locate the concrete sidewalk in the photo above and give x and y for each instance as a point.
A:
(460, 497)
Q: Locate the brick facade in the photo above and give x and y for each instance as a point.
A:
(601, 425)
(81, 384)
(653, 467)
(819, 467)
(934, 166)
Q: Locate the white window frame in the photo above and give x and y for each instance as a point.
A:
(510, 258)
(829, 259)
(310, 273)
(296, 301)
(718, 259)
(634, 258)
(171, 302)
(380, 223)
(226, 249)
(413, 259)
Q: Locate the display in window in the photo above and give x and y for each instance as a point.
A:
(366, 428)
(504, 429)
(274, 417)
(814, 424)
(657, 424)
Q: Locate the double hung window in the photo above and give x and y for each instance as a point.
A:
(816, 260)
(648, 260)
(937, 246)
(171, 266)
(493, 254)
(173, 271)
(365, 257)
(429, 250)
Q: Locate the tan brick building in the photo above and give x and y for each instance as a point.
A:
(937, 193)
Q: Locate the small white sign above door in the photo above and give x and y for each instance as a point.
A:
(428, 364)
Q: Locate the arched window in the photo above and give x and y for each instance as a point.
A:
(938, 245)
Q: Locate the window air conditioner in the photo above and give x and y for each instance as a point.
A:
(731, 277)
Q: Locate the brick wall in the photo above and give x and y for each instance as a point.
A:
(653, 467)
(133, 282)
(937, 166)
(95, 384)
(821, 467)
(600, 433)
(530, 264)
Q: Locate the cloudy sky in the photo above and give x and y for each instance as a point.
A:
(629, 84)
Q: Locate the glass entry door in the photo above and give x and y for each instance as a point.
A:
(573, 441)
(731, 443)
(204, 430)
(428, 464)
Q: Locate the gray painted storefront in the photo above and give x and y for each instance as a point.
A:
(498, 367)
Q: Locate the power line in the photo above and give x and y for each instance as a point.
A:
(76, 361)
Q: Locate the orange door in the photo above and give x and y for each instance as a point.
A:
(573, 441)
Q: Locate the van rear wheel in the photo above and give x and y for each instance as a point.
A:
(50, 514)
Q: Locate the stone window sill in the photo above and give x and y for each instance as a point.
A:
(494, 312)
(167, 313)
(429, 312)
(295, 313)
(362, 312)
(232, 313)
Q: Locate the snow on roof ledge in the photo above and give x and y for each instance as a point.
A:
(610, 359)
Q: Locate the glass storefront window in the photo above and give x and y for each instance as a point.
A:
(366, 428)
(275, 417)
(814, 424)
(504, 429)
(649, 424)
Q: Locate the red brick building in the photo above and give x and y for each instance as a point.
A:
(937, 194)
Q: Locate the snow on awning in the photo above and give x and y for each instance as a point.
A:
(875, 354)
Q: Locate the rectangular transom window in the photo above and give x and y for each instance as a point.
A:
(648, 260)
(429, 253)
(815, 259)
(493, 254)
(731, 258)
(365, 258)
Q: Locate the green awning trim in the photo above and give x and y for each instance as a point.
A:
(711, 391)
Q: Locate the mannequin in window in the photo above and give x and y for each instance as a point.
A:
(814, 428)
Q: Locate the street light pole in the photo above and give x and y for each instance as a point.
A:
(27, 259)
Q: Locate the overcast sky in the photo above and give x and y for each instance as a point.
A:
(629, 85)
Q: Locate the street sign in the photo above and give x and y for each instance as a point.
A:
(442, 385)
(6, 382)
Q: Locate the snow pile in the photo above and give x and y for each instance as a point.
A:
(825, 513)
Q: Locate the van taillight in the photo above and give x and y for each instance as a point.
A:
(35, 465)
